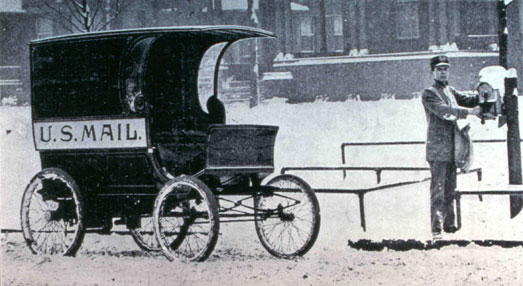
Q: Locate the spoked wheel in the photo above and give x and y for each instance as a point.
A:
(185, 218)
(288, 218)
(144, 235)
(52, 213)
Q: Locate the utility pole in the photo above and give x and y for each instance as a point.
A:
(255, 85)
(511, 110)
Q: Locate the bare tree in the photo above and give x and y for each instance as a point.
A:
(80, 15)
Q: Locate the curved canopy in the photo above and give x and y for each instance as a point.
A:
(218, 33)
(83, 74)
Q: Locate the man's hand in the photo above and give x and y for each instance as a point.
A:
(475, 111)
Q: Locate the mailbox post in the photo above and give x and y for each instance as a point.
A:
(511, 109)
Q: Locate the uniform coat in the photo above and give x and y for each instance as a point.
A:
(441, 119)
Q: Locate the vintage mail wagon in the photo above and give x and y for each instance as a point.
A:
(126, 136)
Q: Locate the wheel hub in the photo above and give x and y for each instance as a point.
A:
(47, 216)
(284, 216)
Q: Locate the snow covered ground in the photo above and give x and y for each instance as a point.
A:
(310, 135)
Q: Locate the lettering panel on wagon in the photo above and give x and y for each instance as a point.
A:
(90, 134)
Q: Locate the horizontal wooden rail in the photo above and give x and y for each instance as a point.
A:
(391, 143)
(361, 192)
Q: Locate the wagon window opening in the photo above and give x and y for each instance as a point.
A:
(206, 75)
(132, 77)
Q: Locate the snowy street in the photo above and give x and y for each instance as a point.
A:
(310, 135)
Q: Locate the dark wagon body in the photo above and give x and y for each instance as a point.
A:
(118, 115)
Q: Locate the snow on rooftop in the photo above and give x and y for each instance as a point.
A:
(242, 5)
(237, 4)
(277, 76)
(377, 58)
(298, 7)
(11, 6)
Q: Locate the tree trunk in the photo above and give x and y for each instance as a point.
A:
(85, 16)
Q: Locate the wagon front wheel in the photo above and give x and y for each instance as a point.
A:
(287, 217)
(185, 218)
(52, 213)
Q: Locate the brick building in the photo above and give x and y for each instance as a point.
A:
(16, 30)
(314, 29)
(359, 27)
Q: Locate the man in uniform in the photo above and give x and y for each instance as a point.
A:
(132, 92)
(443, 106)
(216, 110)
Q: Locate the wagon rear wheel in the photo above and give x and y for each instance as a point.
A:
(52, 214)
(288, 218)
(144, 235)
(185, 218)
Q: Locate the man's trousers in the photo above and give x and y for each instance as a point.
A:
(442, 187)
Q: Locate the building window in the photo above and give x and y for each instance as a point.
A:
(407, 24)
(334, 33)
(44, 28)
(307, 34)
